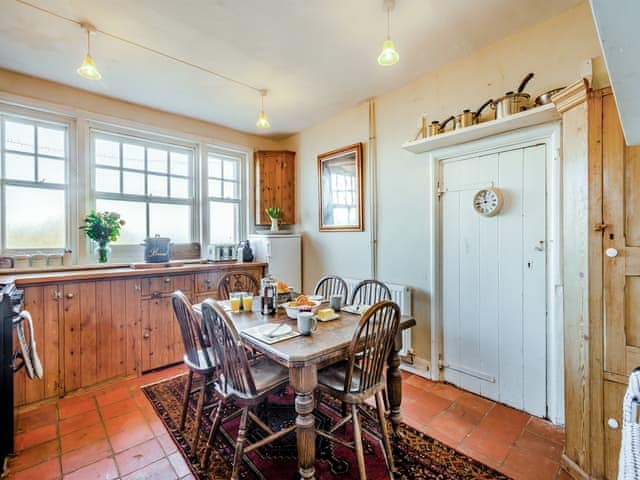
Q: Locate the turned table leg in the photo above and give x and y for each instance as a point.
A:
(394, 385)
(304, 381)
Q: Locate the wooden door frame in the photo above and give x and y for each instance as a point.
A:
(548, 134)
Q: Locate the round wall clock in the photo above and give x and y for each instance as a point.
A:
(487, 201)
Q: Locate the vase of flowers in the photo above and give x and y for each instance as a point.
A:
(102, 227)
(275, 214)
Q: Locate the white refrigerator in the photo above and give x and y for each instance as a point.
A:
(283, 253)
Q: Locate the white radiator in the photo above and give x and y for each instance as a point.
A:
(400, 294)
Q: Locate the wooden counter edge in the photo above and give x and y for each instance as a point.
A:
(101, 274)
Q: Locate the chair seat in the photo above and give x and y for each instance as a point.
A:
(267, 375)
(333, 376)
(202, 362)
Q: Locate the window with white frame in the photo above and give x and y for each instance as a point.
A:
(225, 197)
(150, 184)
(33, 184)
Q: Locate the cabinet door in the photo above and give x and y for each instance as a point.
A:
(43, 304)
(275, 185)
(613, 396)
(161, 338)
(621, 215)
(100, 339)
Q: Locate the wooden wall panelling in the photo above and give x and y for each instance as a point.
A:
(572, 104)
(595, 286)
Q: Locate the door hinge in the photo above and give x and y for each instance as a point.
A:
(439, 190)
(441, 363)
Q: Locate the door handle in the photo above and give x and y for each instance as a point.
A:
(539, 247)
(146, 334)
(69, 296)
(611, 252)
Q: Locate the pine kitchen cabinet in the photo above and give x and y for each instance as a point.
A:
(275, 176)
(96, 325)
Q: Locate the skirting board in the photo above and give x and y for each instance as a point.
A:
(420, 367)
(572, 469)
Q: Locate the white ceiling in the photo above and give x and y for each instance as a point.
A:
(316, 57)
(617, 25)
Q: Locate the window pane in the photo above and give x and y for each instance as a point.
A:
(19, 136)
(50, 170)
(107, 180)
(179, 164)
(157, 160)
(215, 167)
(215, 188)
(223, 222)
(35, 217)
(133, 183)
(107, 152)
(179, 187)
(133, 156)
(134, 214)
(51, 142)
(20, 167)
(230, 190)
(157, 185)
(173, 221)
(231, 169)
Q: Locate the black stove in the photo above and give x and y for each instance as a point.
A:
(11, 302)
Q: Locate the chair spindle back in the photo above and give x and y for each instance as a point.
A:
(236, 282)
(191, 331)
(368, 292)
(332, 285)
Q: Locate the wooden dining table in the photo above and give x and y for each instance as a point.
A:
(305, 355)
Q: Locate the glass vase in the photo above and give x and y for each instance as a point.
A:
(103, 251)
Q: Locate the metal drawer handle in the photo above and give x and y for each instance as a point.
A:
(155, 294)
(208, 281)
(69, 295)
(167, 280)
(146, 334)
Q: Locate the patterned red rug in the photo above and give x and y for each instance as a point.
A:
(416, 455)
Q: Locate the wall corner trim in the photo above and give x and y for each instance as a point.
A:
(573, 95)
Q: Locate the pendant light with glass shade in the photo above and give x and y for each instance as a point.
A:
(88, 69)
(388, 55)
(262, 122)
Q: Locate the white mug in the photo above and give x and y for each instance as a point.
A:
(307, 323)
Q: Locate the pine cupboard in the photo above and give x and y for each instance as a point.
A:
(275, 175)
(92, 327)
(601, 278)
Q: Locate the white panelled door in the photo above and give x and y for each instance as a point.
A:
(494, 278)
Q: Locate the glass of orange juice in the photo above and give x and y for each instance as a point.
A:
(247, 303)
(235, 300)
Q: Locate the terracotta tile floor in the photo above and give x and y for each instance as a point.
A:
(114, 433)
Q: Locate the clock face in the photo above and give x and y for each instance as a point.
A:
(487, 202)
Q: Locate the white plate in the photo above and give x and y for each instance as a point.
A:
(270, 327)
(315, 298)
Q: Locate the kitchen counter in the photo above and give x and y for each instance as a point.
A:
(80, 273)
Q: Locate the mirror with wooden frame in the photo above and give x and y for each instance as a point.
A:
(340, 189)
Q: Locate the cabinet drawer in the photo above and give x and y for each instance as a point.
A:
(154, 286)
(208, 281)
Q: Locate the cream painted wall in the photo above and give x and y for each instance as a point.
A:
(555, 50)
(55, 93)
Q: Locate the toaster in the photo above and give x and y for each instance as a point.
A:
(217, 252)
